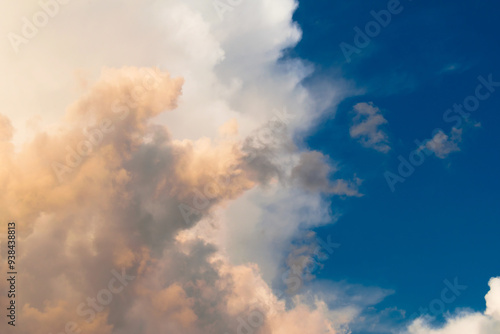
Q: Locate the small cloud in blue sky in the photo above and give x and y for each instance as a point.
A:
(367, 127)
(443, 145)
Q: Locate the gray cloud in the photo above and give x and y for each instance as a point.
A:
(366, 127)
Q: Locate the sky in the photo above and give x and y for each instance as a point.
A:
(442, 222)
(263, 167)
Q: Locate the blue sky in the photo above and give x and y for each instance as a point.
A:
(442, 222)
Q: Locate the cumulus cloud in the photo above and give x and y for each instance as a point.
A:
(119, 209)
(187, 180)
(366, 127)
(467, 322)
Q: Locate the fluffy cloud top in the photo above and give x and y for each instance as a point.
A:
(468, 322)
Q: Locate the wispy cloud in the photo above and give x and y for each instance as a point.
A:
(367, 127)
(313, 173)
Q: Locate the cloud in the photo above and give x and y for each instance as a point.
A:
(467, 322)
(443, 145)
(119, 209)
(193, 181)
(181, 178)
(366, 127)
(312, 172)
(6, 129)
(187, 180)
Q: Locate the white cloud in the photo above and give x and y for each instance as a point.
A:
(442, 144)
(467, 322)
